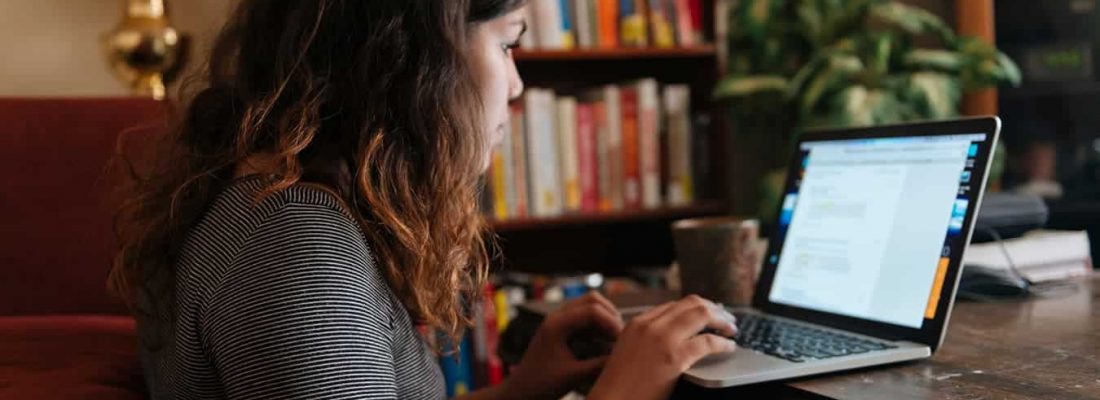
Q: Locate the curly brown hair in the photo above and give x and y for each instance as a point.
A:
(373, 100)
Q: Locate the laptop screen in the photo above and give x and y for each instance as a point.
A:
(867, 228)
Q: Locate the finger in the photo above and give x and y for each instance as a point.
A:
(600, 299)
(704, 345)
(690, 315)
(653, 313)
(566, 322)
(591, 367)
(594, 297)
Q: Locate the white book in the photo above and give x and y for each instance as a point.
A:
(1039, 256)
(677, 102)
(649, 149)
(581, 22)
(542, 156)
(612, 98)
(568, 154)
(547, 24)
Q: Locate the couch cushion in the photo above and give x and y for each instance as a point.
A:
(69, 357)
(56, 236)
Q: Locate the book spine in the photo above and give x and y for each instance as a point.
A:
(677, 106)
(548, 23)
(603, 151)
(506, 150)
(630, 146)
(543, 161)
(649, 139)
(455, 366)
(660, 26)
(632, 24)
(587, 158)
(497, 184)
(494, 367)
(568, 154)
(696, 9)
(519, 161)
(565, 15)
(582, 23)
(608, 11)
(613, 102)
(684, 31)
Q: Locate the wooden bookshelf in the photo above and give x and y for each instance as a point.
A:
(632, 216)
(618, 242)
(616, 54)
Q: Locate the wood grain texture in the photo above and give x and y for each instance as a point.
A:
(1042, 348)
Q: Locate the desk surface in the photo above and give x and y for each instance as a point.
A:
(1046, 347)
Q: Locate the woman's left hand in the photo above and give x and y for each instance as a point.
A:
(549, 369)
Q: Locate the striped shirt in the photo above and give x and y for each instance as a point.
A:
(282, 299)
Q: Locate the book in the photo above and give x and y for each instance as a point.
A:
(587, 157)
(649, 147)
(565, 14)
(632, 24)
(607, 12)
(583, 23)
(501, 177)
(676, 99)
(548, 23)
(660, 23)
(685, 33)
(1039, 256)
(519, 162)
(542, 153)
(568, 154)
(695, 7)
(613, 158)
(632, 196)
(456, 367)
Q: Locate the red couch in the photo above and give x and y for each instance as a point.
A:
(61, 334)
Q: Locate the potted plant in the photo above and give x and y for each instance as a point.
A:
(797, 64)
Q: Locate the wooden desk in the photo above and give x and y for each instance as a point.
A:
(1042, 348)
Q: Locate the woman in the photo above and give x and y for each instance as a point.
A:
(316, 205)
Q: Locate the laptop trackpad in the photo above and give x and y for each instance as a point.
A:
(739, 363)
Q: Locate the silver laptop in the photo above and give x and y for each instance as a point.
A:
(865, 256)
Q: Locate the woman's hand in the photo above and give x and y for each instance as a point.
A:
(549, 369)
(659, 345)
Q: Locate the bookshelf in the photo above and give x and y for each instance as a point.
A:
(618, 242)
(699, 208)
(641, 53)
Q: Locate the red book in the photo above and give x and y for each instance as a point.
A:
(587, 159)
(494, 367)
(632, 190)
(696, 7)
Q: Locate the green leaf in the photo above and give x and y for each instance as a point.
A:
(935, 95)
(913, 20)
(733, 87)
(1011, 70)
(939, 60)
(840, 69)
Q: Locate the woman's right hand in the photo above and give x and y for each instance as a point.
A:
(659, 345)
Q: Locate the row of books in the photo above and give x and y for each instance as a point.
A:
(476, 363)
(569, 24)
(612, 148)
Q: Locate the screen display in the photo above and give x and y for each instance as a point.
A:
(868, 226)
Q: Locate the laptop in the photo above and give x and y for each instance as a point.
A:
(865, 254)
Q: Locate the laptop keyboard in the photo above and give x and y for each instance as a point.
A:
(798, 343)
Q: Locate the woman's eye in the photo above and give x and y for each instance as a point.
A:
(509, 47)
